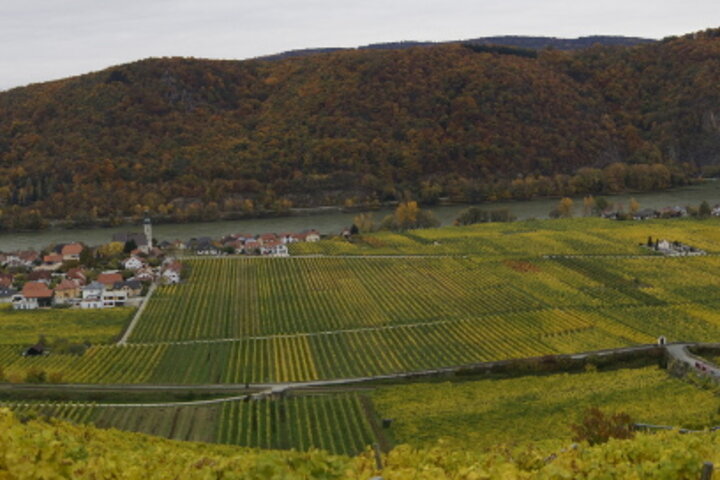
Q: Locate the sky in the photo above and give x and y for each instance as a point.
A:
(44, 40)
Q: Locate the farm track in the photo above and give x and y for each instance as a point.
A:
(136, 318)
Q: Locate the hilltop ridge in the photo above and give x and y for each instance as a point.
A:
(198, 139)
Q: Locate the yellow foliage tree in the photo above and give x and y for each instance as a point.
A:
(565, 207)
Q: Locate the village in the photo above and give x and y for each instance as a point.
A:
(74, 275)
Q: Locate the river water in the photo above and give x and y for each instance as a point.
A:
(328, 223)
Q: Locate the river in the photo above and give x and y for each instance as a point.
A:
(334, 222)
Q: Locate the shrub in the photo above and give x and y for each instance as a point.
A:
(35, 375)
(597, 427)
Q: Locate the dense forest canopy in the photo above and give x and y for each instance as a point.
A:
(190, 139)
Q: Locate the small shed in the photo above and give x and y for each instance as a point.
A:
(35, 351)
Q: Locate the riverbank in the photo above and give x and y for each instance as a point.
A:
(330, 220)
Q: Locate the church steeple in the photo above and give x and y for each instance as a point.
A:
(147, 227)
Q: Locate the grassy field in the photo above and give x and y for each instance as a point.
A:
(75, 325)
(337, 423)
(538, 409)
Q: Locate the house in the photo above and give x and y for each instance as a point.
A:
(24, 259)
(29, 257)
(34, 295)
(206, 247)
(266, 238)
(67, 291)
(133, 263)
(236, 245)
(179, 245)
(251, 247)
(40, 276)
(52, 259)
(77, 274)
(71, 251)
(171, 276)
(133, 288)
(6, 280)
(287, 237)
(92, 295)
(114, 298)
(274, 249)
(645, 214)
(109, 279)
(311, 235)
(144, 275)
(21, 303)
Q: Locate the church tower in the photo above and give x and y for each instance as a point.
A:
(147, 226)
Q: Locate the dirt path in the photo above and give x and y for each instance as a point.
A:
(128, 331)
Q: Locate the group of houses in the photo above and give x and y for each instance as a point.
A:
(41, 281)
(268, 244)
(673, 249)
(649, 213)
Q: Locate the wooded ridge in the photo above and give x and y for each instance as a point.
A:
(191, 139)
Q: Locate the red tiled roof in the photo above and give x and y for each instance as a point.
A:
(109, 278)
(54, 258)
(28, 255)
(76, 273)
(39, 275)
(67, 285)
(36, 290)
(72, 249)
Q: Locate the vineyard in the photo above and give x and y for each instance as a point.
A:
(538, 410)
(474, 415)
(261, 320)
(85, 452)
(336, 423)
(575, 236)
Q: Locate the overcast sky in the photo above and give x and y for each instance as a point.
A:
(49, 39)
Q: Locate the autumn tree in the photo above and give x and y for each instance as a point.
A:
(408, 216)
(633, 206)
(704, 210)
(589, 205)
(364, 222)
(111, 249)
(565, 207)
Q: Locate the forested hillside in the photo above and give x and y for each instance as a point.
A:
(192, 139)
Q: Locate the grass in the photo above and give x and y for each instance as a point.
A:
(96, 326)
(538, 409)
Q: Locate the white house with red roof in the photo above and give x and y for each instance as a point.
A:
(71, 251)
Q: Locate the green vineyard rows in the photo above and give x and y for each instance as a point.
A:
(336, 423)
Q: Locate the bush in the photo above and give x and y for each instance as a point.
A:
(597, 427)
(35, 375)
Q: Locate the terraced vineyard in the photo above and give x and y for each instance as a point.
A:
(337, 423)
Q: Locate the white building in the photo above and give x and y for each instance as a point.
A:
(133, 263)
(19, 302)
